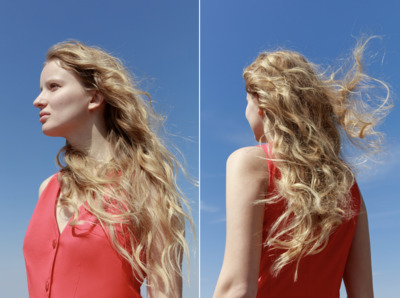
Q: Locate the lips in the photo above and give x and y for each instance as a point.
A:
(43, 116)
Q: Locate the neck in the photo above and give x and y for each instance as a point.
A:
(263, 139)
(93, 141)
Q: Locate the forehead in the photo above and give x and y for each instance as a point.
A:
(52, 70)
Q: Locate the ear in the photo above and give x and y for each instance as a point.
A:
(96, 101)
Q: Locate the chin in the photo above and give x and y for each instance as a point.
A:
(50, 132)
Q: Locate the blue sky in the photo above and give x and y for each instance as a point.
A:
(232, 35)
(157, 40)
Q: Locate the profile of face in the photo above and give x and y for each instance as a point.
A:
(63, 102)
(255, 120)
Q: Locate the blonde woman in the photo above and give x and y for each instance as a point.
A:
(113, 214)
(296, 221)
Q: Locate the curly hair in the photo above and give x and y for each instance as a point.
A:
(306, 116)
(134, 195)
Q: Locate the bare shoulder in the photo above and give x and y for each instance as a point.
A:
(248, 159)
(44, 184)
(247, 168)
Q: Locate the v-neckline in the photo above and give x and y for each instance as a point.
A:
(55, 210)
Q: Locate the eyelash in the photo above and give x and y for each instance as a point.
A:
(53, 85)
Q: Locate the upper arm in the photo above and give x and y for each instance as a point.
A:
(246, 183)
(358, 272)
(159, 292)
(156, 287)
(162, 240)
(43, 185)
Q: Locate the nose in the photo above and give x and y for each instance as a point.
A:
(39, 102)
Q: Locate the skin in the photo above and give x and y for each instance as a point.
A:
(256, 121)
(358, 272)
(71, 112)
(68, 110)
(246, 182)
(159, 291)
(152, 292)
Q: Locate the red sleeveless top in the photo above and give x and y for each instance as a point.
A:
(79, 262)
(319, 275)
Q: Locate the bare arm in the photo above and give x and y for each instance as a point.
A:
(246, 182)
(156, 287)
(159, 291)
(358, 272)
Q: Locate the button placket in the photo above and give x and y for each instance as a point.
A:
(54, 245)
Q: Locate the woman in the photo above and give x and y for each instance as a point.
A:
(296, 222)
(113, 215)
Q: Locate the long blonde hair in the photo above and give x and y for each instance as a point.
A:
(134, 195)
(306, 116)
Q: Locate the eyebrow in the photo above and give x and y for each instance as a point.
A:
(52, 79)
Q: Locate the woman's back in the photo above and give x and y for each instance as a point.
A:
(314, 230)
(319, 275)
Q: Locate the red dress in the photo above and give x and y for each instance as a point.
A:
(80, 262)
(319, 275)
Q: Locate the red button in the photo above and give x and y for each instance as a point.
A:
(54, 243)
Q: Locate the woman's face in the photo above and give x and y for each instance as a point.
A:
(255, 120)
(63, 102)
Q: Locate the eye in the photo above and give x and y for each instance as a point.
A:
(54, 86)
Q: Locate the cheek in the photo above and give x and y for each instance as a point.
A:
(61, 98)
(68, 102)
(249, 112)
(62, 102)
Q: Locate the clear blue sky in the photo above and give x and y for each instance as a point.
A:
(232, 35)
(157, 40)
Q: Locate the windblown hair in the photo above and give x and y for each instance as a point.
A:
(306, 117)
(134, 195)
